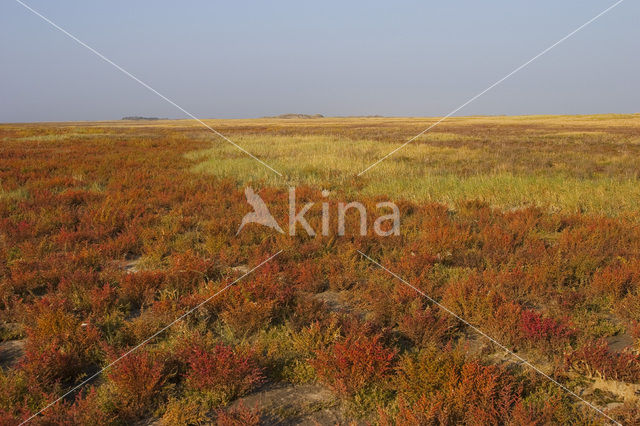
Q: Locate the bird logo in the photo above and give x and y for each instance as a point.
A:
(260, 213)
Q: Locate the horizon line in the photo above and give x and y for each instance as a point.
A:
(315, 117)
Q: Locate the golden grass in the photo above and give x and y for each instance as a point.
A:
(559, 163)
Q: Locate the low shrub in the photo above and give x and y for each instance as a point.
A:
(221, 371)
(140, 288)
(59, 347)
(259, 301)
(353, 363)
(426, 326)
(87, 408)
(307, 310)
(537, 327)
(595, 360)
(616, 280)
(238, 416)
(438, 387)
(188, 410)
(135, 384)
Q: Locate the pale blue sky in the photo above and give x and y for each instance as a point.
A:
(254, 58)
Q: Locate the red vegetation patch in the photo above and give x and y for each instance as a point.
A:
(237, 416)
(136, 383)
(617, 280)
(353, 363)
(139, 288)
(537, 327)
(595, 359)
(259, 301)
(59, 348)
(221, 368)
(442, 388)
(86, 409)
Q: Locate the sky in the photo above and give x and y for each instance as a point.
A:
(243, 59)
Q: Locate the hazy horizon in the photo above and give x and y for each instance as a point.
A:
(428, 117)
(251, 60)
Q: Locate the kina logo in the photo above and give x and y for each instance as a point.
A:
(260, 213)
(384, 226)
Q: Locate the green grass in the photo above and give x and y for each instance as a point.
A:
(571, 171)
